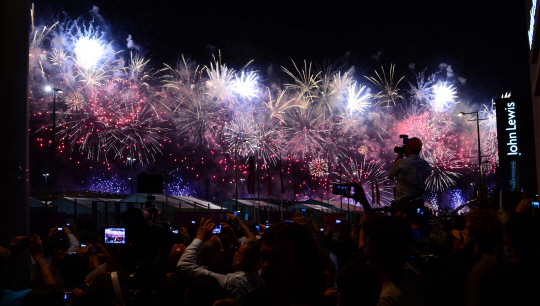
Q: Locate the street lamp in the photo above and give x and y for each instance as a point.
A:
(131, 160)
(479, 151)
(242, 187)
(54, 91)
(45, 175)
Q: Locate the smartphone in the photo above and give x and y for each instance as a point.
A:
(322, 229)
(341, 189)
(83, 245)
(236, 213)
(66, 296)
(175, 231)
(60, 228)
(217, 229)
(192, 222)
(338, 221)
(115, 235)
(535, 204)
(258, 228)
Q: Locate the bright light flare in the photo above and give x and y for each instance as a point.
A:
(444, 97)
(246, 84)
(88, 52)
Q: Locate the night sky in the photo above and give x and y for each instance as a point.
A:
(485, 42)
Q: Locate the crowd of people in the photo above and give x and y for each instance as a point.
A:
(401, 256)
(484, 257)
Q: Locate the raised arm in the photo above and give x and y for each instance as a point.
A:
(244, 228)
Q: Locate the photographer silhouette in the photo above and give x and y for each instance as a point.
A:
(411, 170)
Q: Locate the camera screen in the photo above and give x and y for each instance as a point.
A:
(338, 221)
(217, 229)
(258, 227)
(60, 229)
(322, 229)
(115, 235)
(83, 245)
(175, 231)
(341, 189)
(535, 204)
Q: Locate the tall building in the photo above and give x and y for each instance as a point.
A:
(534, 61)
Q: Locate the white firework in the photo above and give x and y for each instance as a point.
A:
(444, 165)
(357, 99)
(241, 134)
(246, 84)
(444, 97)
(302, 132)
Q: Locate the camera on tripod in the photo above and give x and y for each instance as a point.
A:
(401, 149)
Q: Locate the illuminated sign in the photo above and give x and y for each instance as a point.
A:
(532, 22)
(512, 133)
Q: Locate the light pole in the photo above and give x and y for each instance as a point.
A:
(236, 174)
(258, 180)
(54, 91)
(242, 187)
(45, 175)
(479, 152)
(131, 160)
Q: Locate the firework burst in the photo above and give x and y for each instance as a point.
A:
(444, 97)
(388, 91)
(241, 134)
(318, 167)
(444, 165)
(302, 132)
(305, 83)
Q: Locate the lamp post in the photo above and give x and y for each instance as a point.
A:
(242, 187)
(54, 91)
(479, 151)
(131, 160)
(45, 175)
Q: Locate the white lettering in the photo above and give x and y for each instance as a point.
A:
(512, 126)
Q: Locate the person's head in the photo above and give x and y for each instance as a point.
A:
(460, 241)
(413, 146)
(358, 281)
(209, 251)
(484, 229)
(247, 257)
(204, 290)
(387, 243)
(174, 256)
(58, 241)
(523, 236)
(291, 268)
(345, 228)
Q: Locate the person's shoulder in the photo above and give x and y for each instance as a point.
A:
(14, 297)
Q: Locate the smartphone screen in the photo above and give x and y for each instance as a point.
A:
(83, 245)
(115, 235)
(338, 221)
(217, 229)
(175, 231)
(258, 228)
(341, 189)
(322, 229)
(535, 204)
(60, 229)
